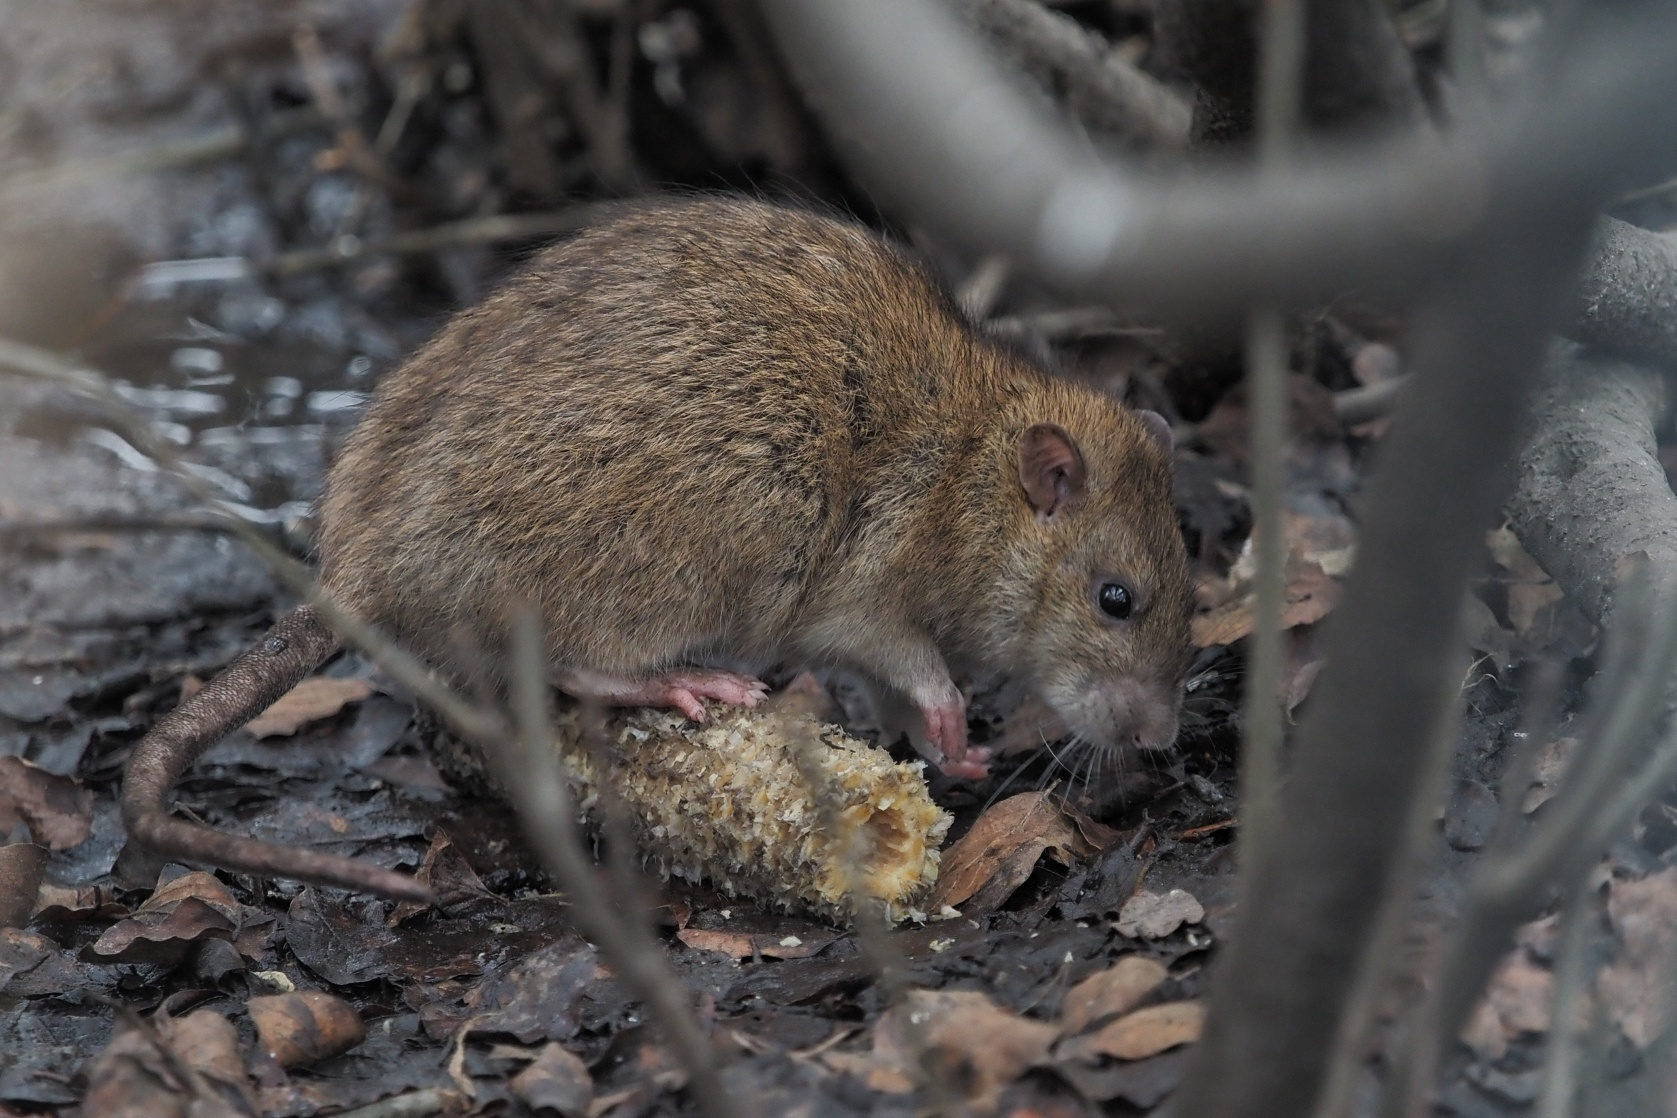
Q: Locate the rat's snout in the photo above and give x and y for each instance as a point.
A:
(1126, 713)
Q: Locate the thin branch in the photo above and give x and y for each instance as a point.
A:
(533, 775)
(1309, 906)
(1572, 973)
(869, 918)
(1106, 93)
(1279, 82)
(455, 234)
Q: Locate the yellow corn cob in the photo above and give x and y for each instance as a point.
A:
(724, 801)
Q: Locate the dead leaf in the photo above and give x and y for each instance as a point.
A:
(311, 700)
(1118, 989)
(1516, 1001)
(1546, 774)
(1635, 987)
(1141, 1083)
(21, 866)
(139, 1075)
(1311, 596)
(557, 1081)
(979, 1046)
(1154, 915)
(32, 966)
(64, 904)
(998, 854)
(305, 1027)
(209, 1043)
(57, 810)
(1030, 725)
(1146, 1032)
(1470, 816)
(539, 998)
(450, 876)
(747, 945)
(173, 919)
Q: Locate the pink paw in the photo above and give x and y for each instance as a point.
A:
(687, 690)
(684, 689)
(946, 730)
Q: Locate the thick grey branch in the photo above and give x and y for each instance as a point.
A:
(925, 118)
(1591, 488)
(1628, 294)
(1312, 897)
(1105, 92)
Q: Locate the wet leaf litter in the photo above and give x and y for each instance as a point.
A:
(1059, 962)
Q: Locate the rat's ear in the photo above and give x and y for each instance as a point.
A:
(1050, 469)
(1158, 427)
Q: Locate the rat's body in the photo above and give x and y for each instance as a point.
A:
(718, 436)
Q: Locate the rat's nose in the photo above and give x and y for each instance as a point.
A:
(1144, 714)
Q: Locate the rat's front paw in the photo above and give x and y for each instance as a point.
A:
(946, 732)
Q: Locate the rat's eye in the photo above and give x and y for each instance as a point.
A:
(1116, 600)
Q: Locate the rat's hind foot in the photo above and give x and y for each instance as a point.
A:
(684, 689)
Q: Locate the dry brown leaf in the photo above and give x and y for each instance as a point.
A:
(1002, 849)
(1635, 986)
(1311, 596)
(1146, 1032)
(747, 945)
(305, 1027)
(1516, 1001)
(1118, 989)
(1546, 775)
(311, 700)
(979, 1046)
(178, 914)
(64, 904)
(209, 1044)
(57, 810)
(450, 876)
(556, 1081)
(1156, 915)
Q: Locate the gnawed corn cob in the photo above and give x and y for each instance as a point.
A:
(724, 801)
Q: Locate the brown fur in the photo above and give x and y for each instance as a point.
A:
(724, 433)
(721, 430)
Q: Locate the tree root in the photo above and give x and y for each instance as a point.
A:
(1591, 491)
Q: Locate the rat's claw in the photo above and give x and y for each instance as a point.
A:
(946, 732)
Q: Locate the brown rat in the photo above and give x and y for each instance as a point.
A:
(715, 436)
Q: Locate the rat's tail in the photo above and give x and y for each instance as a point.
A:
(293, 648)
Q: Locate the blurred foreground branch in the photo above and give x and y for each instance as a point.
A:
(926, 119)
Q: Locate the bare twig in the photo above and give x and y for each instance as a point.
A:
(868, 917)
(1308, 907)
(533, 775)
(1613, 777)
(456, 234)
(1572, 973)
(1106, 93)
(358, 155)
(1266, 378)
(1382, 951)
(1359, 405)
